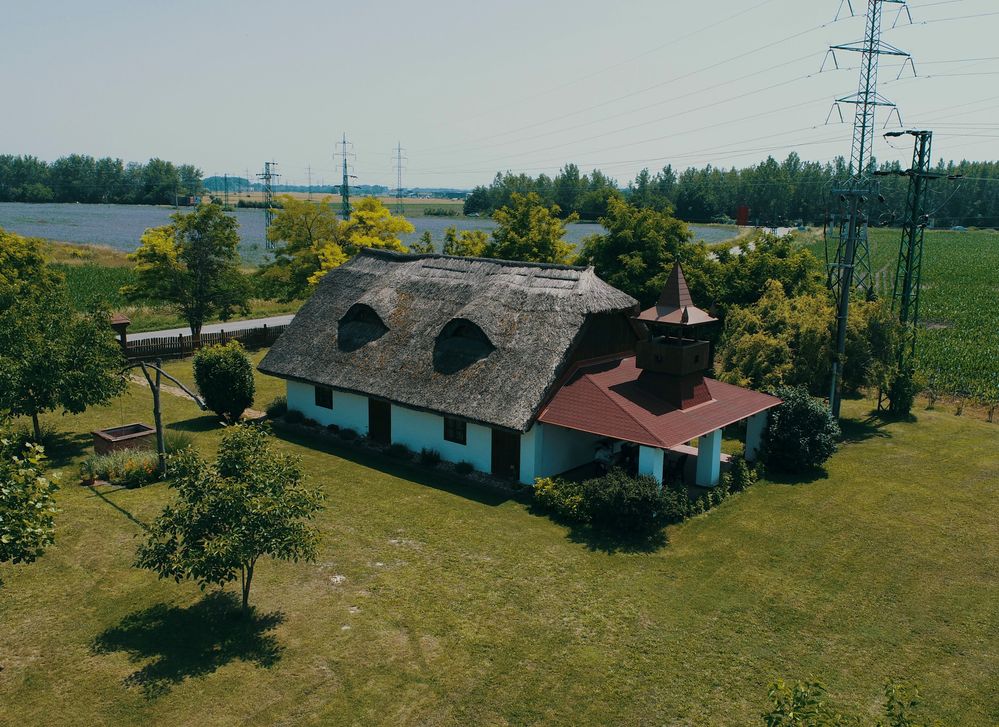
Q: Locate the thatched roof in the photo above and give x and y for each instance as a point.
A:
(480, 339)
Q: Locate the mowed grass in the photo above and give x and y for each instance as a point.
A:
(433, 602)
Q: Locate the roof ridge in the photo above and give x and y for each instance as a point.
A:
(411, 256)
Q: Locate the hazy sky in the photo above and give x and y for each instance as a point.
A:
(470, 88)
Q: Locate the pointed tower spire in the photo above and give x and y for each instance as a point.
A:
(675, 306)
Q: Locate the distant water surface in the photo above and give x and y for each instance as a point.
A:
(120, 226)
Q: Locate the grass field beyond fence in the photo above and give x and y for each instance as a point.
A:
(436, 603)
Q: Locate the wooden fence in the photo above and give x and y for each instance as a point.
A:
(181, 345)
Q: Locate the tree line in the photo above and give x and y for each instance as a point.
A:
(782, 193)
(82, 178)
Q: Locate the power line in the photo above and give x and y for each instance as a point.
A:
(646, 89)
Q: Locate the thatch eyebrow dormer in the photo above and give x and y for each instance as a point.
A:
(460, 344)
(358, 327)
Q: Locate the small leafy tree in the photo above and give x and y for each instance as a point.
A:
(53, 357)
(224, 375)
(371, 224)
(467, 243)
(531, 231)
(251, 502)
(27, 503)
(801, 433)
(802, 704)
(303, 233)
(193, 265)
(424, 245)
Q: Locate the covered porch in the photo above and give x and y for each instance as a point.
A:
(616, 400)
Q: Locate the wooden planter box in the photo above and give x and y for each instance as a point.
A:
(129, 436)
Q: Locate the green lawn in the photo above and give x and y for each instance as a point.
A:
(433, 602)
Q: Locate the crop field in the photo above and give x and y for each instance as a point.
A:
(958, 346)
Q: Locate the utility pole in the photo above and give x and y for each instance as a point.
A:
(398, 170)
(225, 186)
(851, 267)
(345, 185)
(268, 176)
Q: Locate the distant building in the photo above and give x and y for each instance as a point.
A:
(523, 370)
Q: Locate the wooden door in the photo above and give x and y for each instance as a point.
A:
(506, 454)
(380, 421)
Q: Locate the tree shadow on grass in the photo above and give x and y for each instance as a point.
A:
(116, 506)
(205, 423)
(181, 643)
(61, 448)
(605, 541)
(860, 430)
(803, 477)
(609, 542)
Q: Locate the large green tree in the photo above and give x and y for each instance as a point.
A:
(27, 502)
(638, 250)
(301, 229)
(315, 241)
(467, 243)
(250, 503)
(531, 231)
(51, 356)
(778, 341)
(193, 265)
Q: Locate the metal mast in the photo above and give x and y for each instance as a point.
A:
(398, 170)
(851, 267)
(268, 176)
(345, 185)
(908, 272)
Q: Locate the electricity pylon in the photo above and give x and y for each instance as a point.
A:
(268, 176)
(345, 185)
(398, 170)
(908, 270)
(851, 267)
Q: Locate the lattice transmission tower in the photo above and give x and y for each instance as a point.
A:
(268, 176)
(399, 159)
(851, 265)
(347, 176)
(908, 270)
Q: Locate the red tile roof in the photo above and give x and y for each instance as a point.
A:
(614, 398)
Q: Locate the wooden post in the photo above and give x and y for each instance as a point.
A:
(158, 422)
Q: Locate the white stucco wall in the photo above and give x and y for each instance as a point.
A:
(420, 429)
(349, 411)
(547, 450)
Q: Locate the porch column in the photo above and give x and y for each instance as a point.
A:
(754, 435)
(532, 450)
(650, 462)
(709, 459)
